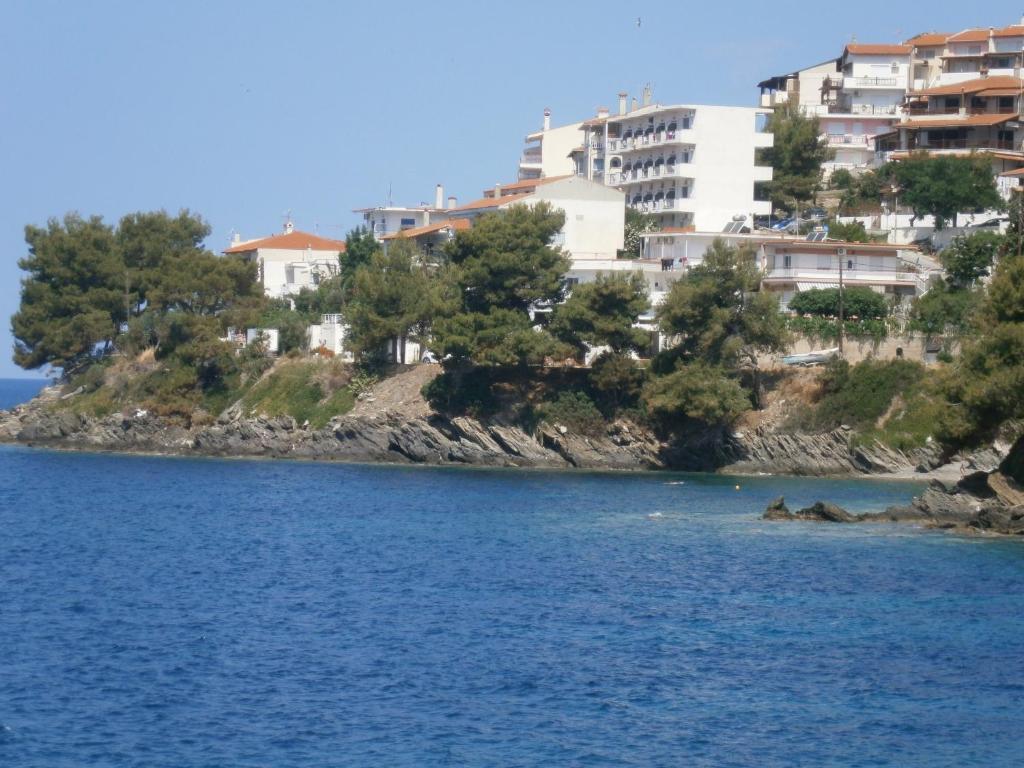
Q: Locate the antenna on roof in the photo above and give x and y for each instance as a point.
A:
(288, 226)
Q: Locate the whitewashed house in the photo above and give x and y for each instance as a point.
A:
(291, 261)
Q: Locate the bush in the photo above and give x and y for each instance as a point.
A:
(695, 392)
(617, 382)
(858, 302)
(462, 392)
(574, 410)
(859, 395)
(854, 232)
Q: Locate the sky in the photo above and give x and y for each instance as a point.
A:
(246, 111)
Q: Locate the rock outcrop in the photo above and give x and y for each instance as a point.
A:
(981, 503)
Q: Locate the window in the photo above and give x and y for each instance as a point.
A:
(824, 261)
(1006, 103)
(951, 103)
(408, 223)
(928, 53)
(787, 261)
(894, 68)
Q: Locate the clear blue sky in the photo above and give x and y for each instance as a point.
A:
(242, 111)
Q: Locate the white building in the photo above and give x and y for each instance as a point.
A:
(291, 261)
(547, 151)
(389, 219)
(685, 164)
(793, 264)
(329, 334)
(594, 214)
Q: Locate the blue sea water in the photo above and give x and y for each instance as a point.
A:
(16, 391)
(179, 612)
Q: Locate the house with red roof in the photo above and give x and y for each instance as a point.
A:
(291, 260)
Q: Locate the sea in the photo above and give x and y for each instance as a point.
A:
(200, 612)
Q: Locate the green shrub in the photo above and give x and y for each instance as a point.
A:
(574, 410)
(695, 392)
(859, 395)
(858, 302)
(462, 392)
(617, 382)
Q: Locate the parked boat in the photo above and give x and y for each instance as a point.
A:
(816, 357)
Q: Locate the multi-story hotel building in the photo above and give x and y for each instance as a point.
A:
(686, 164)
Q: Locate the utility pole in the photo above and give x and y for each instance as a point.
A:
(842, 255)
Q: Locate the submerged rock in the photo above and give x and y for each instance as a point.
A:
(820, 511)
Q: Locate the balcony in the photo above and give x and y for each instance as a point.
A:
(965, 144)
(653, 139)
(848, 140)
(639, 176)
(864, 109)
(873, 82)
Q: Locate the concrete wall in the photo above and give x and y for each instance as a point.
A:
(914, 347)
(594, 216)
(286, 271)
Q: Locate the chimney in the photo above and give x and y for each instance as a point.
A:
(622, 102)
(439, 196)
(547, 119)
(647, 95)
(632, 104)
(497, 191)
(452, 202)
(602, 112)
(236, 238)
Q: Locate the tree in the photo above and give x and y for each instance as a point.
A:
(987, 389)
(944, 309)
(696, 391)
(797, 154)
(501, 269)
(854, 232)
(720, 317)
(360, 248)
(393, 297)
(507, 261)
(200, 283)
(71, 299)
(604, 313)
(637, 224)
(969, 257)
(944, 185)
(150, 243)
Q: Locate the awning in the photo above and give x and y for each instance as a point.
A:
(811, 286)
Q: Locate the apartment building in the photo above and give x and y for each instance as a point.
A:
(685, 164)
(877, 88)
(290, 261)
(388, 219)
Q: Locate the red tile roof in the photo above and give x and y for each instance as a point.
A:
(290, 241)
(928, 39)
(956, 121)
(970, 36)
(456, 224)
(1015, 30)
(974, 86)
(871, 49)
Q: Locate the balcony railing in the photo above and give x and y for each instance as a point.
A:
(871, 82)
(653, 206)
(644, 140)
(644, 174)
(965, 144)
(850, 140)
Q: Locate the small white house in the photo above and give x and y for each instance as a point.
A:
(291, 261)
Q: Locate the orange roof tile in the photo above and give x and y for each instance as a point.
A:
(456, 224)
(866, 49)
(928, 39)
(1014, 173)
(969, 36)
(290, 241)
(491, 202)
(1014, 30)
(974, 86)
(956, 121)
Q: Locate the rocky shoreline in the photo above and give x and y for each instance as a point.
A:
(980, 503)
(417, 435)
